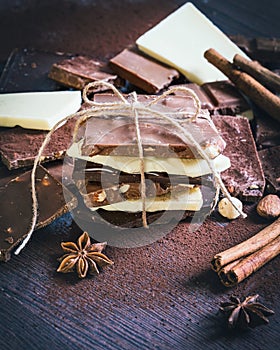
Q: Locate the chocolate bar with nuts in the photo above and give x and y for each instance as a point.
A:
(16, 206)
(77, 71)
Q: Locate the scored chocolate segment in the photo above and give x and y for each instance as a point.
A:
(266, 50)
(143, 71)
(219, 97)
(78, 71)
(245, 178)
(16, 207)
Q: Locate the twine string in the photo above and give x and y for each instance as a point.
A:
(126, 109)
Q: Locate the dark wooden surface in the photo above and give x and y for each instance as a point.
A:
(161, 296)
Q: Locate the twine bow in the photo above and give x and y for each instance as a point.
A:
(131, 109)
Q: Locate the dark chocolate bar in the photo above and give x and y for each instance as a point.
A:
(266, 130)
(16, 206)
(27, 70)
(142, 71)
(78, 71)
(245, 178)
(219, 97)
(269, 158)
(19, 147)
(265, 50)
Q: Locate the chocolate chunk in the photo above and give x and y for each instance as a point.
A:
(78, 71)
(19, 147)
(16, 207)
(266, 130)
(219, 97)
(265, 50)
(225, 97)
(27, 70)
(245, 178)
(269, 158)
(142, 71)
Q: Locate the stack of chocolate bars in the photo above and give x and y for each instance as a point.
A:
(178, 180)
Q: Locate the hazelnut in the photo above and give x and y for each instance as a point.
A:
(99, 196)
(269, 206)
(226, 208)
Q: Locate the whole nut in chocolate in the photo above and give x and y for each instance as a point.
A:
(269, 206)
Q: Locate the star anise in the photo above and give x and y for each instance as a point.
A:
(84, 256)
(248, 313)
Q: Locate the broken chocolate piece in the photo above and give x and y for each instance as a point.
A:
(27, 70)
(19, 147)
(78, 71)
(225, 97)
(143, 71)
(219, 97)
(16, 207)
(269, 158)
(245, 178)
(264, 50)
(266, 130)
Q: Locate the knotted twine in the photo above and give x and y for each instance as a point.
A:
(131, 109)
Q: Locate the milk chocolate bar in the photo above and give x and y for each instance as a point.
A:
(78, 71)
(245, 178)
(269, 158)
(265, 50)
(16, 206)
(142, 71)
(116, 136)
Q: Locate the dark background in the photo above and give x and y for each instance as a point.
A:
(162, 296)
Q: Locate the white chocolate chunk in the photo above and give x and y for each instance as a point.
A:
(37, 110)
(190, 199)
(179, 166)
(181, 39)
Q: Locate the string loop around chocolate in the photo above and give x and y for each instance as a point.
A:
(132, 109)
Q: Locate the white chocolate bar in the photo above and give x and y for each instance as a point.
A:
(131, 165)
(181, 39)
(37, 110)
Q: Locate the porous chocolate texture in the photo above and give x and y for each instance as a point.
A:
(19, 146)
(245, 178)
(16, 207)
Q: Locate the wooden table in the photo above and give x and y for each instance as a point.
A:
(160, 296)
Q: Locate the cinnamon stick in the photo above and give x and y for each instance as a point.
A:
(236, 273)
(251, 245)
(260, 73)
(247, 84)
